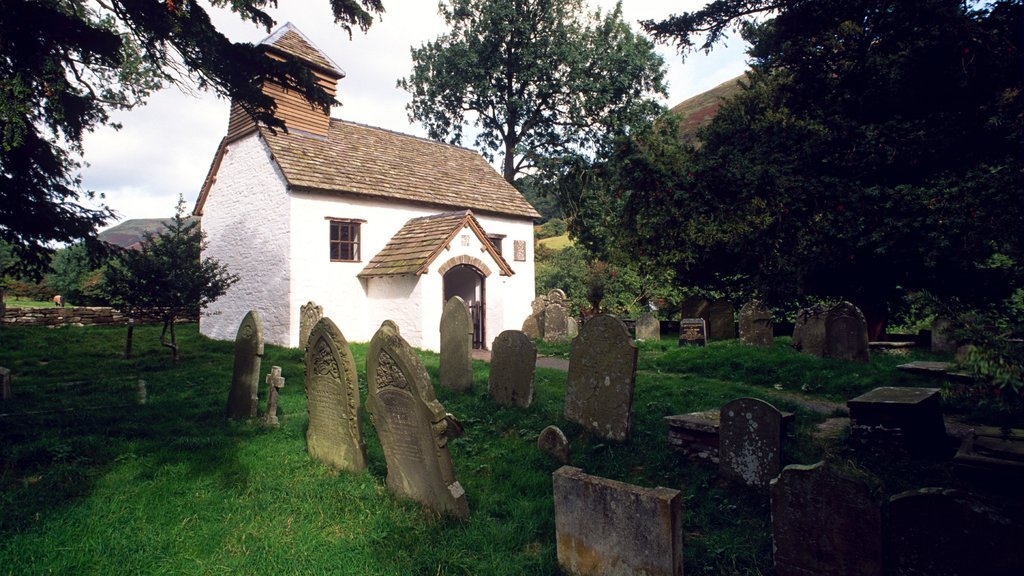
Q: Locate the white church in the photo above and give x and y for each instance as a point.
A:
(368, 223)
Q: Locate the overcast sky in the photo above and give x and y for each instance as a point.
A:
(166, 147)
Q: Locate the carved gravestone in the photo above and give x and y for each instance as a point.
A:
(693, 332)
(602, 374)
(937, 532)
(513, 362)
(721, 320)
(245, 378)
(809, 330)
(756, 324)
(846, 333)
(825, 523)
(411, 424)
(648, 327)
(556, 296)
(750, 442)
(552, 441)
(943, 339)
(334, 435)
(456, 371)
(309, 314)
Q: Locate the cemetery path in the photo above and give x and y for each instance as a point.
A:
(542, 361)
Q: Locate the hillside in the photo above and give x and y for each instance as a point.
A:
(697, 112)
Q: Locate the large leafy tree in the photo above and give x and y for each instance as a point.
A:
(535, 78)
(66, 64)
(875, 149)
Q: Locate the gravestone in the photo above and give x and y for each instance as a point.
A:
(693, 332)
(333, 436)
(572, 328)
(750, 442)
(556, 322)
(274, 384)
(411, 424)
(608, 528)
(602, 374)
(532, 326)
(991, 458)
(846, 333)
(694, 307)
(937, 532)
(901, 417)
(721, 319)
(809, 330)
(513, 362)
(552, 441)
(756, 324)
(5, 383)
(825, 523)
(943, 338)
(309, 314)
(245, 378)
(456, 370)
(556, 296)
(648, 327)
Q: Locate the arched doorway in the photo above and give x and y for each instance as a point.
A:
(467, 282)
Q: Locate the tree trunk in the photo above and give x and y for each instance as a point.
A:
(509, 163)
(173, 344)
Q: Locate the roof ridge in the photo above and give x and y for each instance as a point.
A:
(413, 136)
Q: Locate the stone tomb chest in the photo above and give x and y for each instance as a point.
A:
(910, 418)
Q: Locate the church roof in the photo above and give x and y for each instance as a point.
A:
(417, 244)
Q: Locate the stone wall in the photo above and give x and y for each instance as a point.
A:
(77, 316)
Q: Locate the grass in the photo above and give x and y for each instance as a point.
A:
(93, 483)
(556, 242)
(19, 302)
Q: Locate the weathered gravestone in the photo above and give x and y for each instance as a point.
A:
(513, 362)
(943, 338)
(721, 320)
(334, 435)
(694, 307)
(552, 441)
(750, 442)
(309, 314)
(756, 324)
(411, 424)
(572, 328)
(809, 330)
(5, 383)
(825, 523)
(609, 528)
(693, 332)
(556, 318)
(456, 370)
(937, 532)
(274, 384)
(846, 333)
(243, 400)
(602, 374)
(648, 327)
(532, 326)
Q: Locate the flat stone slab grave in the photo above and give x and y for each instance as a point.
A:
(992, 457)
(695, 435)
(910, 417)
(929, 368)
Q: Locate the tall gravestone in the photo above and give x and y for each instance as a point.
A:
(411, 424)
(309, 314)
(825, 523)
(513, 363)
(556, 317)
(721, 320)
(602, 374)
(456, 371)
(750, 442)
(809, 330)
(243, 399)
(334, 435)
(756, 324)
(846, 333)
(943, 337)
(937, 532)
(694, 307)
(648, 327)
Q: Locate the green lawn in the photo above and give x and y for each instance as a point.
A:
(94, 483)
(556, 242)
(18, 302)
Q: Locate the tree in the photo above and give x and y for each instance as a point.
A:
(875, 149)
(535, 77)
(66, 64)
(76, 275)
(166, 277)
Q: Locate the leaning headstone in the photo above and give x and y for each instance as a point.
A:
(693, 332)
(750, 442)
(456, 370)
(846, 333)
(608, 528)
(552, 441)
(943, 338)
(245, 378)
(721, 320)
(274, 384)
(825, 523)
(809, 330)
(513, 362)
(648, 328)
(756, 324)
(937, 532)
(5, 383)
(411, 424)
(333, 436)
(602, 374)
(309, 314)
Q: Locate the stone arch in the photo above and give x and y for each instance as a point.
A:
(467, 260)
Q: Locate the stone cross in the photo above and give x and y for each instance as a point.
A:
(243, 398)
(334, 435)
(274, 383)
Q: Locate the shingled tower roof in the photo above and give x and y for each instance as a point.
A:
(291, 41)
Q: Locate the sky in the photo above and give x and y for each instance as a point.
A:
(165, 148)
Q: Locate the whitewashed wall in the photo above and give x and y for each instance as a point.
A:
(245, 219)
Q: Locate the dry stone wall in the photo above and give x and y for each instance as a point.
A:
(77, 316)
